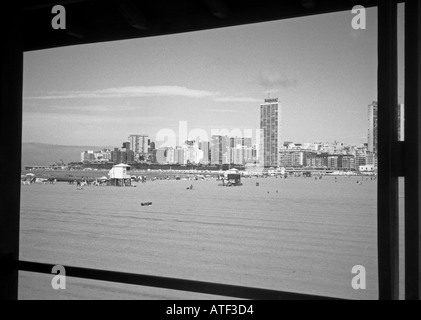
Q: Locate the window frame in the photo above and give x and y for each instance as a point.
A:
(395, 160)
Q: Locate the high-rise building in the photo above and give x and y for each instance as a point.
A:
(204, 146)
(126, 145)
(243, 142)
(292, 158)
(122, 156)
(220, 150)
(194, 154)
(248, 142)
(87, 156)
(139, 143)
(360, 158)
(333, 162)
(116, 156)
(270, 126)
(241, 155)
(180, 155)
(161, 156)
(370, 160)
(170, 156)
(348, 162)
(372, 127)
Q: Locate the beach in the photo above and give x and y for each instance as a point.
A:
(298, 234)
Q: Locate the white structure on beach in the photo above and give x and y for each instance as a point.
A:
(366, 168)
(118, 175)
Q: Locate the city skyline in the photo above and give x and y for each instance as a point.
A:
(95, 94)
(253, 137)
(234, 150)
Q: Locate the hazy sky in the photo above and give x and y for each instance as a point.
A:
(323, 72)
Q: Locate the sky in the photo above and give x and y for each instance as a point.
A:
(323, 72)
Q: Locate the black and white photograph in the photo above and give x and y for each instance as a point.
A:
(212, 150)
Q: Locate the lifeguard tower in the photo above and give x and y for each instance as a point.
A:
(232, 178)
(118, 175)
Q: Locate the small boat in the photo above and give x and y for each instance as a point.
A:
(146, 204)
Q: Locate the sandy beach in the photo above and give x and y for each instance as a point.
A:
(300, 235)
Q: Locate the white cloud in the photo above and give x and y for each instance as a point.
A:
(142, 91)
(127, 92)
(237, 99)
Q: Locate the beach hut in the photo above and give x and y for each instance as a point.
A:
(232, 178)
(29, 177)
(118, 175)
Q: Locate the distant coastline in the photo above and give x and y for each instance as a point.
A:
(41, 154)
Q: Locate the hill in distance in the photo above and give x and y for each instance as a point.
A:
(40, 154)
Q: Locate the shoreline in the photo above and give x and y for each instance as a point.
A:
(64, 176)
